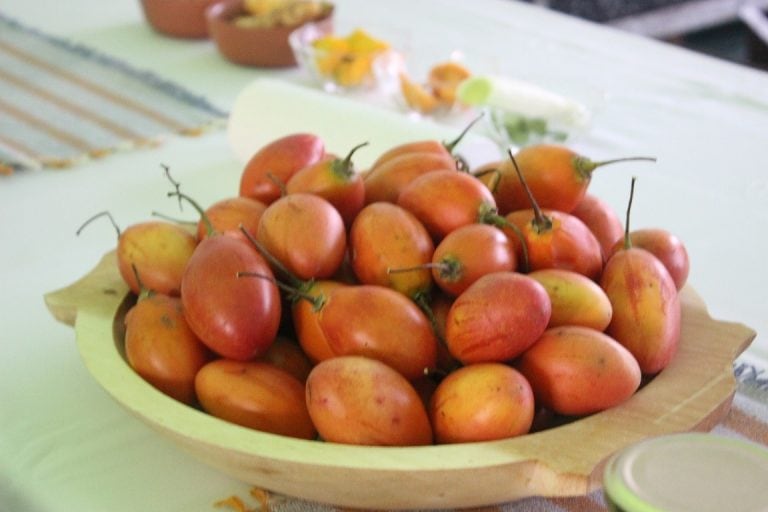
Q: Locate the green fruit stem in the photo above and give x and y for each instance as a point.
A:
(178, 193)
(175, 220)
(344, 167)
(294, 293)
(144, 293)
(209, 229)
(449, 268)
(105, 213)
(493, 185)
(541, 223)
(421, 299)
(274, 262)
(488, 214)
(584, 166)
(450, 146)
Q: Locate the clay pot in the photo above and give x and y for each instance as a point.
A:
(178, 18)
(252, 46)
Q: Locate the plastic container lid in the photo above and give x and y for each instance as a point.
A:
(688, 472)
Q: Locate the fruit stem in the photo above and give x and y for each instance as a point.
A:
(277, 264)
(450, 146)
(627, 239)
(540, 221)
(105, 213)
(280, 184)
(317, 301)
(492, 185)
(584, 166)
(462, 165)
(175, 220)
(344, 167)
(423, 266)
(422, 300)
(209, 229)
(144, 292)
(489, 215)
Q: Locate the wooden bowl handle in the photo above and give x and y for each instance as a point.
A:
(736, 336)
(102, 282)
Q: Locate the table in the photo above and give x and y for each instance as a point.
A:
(65, 445)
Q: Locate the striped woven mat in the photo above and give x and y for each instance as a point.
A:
(62, 103)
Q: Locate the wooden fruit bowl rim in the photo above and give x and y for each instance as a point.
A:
(693, 393)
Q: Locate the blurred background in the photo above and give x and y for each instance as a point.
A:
(734, 30)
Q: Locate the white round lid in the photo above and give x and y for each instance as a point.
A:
(689, 472)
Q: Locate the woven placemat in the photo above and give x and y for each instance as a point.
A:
(62, 103)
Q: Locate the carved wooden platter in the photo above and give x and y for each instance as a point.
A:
(693, 393)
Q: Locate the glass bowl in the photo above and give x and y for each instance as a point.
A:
(520, 113)
(336, 63)
(514, 129)
(429, 90)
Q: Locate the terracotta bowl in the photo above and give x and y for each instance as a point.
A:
(251, 46)
(178, 18)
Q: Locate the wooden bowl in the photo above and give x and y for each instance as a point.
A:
(251, 46)
(693, 393)
(178, 18)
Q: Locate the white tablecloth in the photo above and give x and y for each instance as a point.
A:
(65, 445)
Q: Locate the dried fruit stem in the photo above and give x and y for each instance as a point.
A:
(627, 240)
